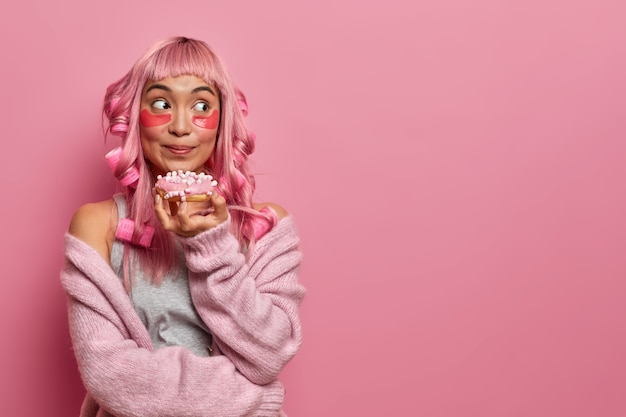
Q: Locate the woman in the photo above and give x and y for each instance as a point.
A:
(189, 308)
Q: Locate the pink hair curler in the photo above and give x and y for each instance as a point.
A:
(129, 177)
(146, 237)
(119, 129)
(259, 227)
(125, 231)
(119, 124)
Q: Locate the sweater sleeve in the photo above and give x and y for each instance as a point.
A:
(251, 305)
(128, 378)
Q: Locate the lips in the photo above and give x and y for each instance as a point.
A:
(179, 150)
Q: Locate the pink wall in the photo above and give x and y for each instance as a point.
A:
(456, 170)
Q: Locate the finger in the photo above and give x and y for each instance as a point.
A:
(161, 213)
(219, 205)
(158, 209)
(185, 222)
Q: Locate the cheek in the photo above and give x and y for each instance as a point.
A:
(208, 122)
(148, 119)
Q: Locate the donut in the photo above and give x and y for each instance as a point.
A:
(185, 186)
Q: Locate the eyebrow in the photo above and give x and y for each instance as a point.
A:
(195, 90)
(204, 88)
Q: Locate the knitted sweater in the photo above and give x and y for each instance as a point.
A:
(251, 307)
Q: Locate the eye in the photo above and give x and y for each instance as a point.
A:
(201, 106)
(160, 104)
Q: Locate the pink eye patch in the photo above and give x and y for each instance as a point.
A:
(207, 122)
(148, 119)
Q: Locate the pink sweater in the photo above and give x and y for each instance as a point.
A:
(250, 306)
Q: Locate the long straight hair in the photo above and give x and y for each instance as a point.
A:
(173, 57)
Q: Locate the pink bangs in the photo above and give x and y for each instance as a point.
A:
(183, 56)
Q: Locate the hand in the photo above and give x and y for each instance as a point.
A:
(186, 220)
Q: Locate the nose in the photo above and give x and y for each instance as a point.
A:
(180, 125)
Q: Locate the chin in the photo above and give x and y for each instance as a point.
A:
(187, 167)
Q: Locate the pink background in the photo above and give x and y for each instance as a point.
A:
(456, 170)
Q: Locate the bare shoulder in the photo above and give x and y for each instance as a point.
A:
(94, 224)
(278, 209)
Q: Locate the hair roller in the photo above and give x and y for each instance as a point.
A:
(119, 129)
(126, 231)
(256, 228)
(260, 225)
(118, 121)
(128, 178)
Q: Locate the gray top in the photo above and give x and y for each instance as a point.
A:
(166, 310)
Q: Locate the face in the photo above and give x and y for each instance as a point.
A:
(178, 122)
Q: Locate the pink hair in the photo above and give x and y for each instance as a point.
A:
(170, 58)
